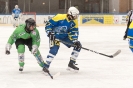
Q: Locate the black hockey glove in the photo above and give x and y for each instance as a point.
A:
(125, 36)
(7, 52)
(51, 36)
(77, 45)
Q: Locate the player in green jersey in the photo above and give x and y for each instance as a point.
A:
(26, 34)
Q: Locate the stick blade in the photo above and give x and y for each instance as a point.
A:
(116, 53)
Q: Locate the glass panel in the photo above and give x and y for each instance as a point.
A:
(96, 8)
(105, 6)
(61, 4)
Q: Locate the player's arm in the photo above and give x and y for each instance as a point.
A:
(13, 37)
(52, 23)
(73, 36)
(128, 15)
(35, 41)
(13, 12)
(35, 38)
(11, 40)
(73, 33)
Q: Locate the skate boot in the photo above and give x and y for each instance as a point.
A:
(72, 66)
(21, 69)
(45, 69)
(21, 64)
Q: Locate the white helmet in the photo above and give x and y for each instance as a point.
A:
(16, 6)
(73, 11)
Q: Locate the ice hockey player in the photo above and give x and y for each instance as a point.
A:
(25, 34)
(16, 14)
(130, 33)
(64, 27)
(129, 19)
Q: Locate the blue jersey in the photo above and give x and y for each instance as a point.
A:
(62, 27)
(130, 31)
(16, 12)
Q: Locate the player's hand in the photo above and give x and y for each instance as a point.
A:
(34, 49)
(124, 37)
(77, 45)
(7, 48)
(51, 36)
(7, 52)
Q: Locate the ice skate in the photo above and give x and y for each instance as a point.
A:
(72, 67)
(21, 69)
(45, 69)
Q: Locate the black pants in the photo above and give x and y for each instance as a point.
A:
(27, 42)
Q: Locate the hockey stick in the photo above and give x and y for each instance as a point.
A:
(111, 56)
(41, 61)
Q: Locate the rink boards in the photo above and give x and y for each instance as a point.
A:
(88, 19)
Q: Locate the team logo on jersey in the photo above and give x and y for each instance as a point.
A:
(34, 32)
(61, 29)
(21, 33)
(72, 25)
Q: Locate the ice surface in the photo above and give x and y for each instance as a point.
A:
(96, 71)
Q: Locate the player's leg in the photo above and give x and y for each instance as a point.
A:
(39, 59)
(20, 49)
(74, 56)
(14, 22)
(38, 56)
(17, 21)
(131, 44)
(52, 53)
(13, 19)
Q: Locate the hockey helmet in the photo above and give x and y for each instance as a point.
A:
(73, 11)
(30, 22)
(16, 6)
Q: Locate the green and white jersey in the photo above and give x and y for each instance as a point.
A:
(21, 33)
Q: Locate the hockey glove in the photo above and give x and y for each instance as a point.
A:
(51, 36)
(51, 39)
(77, 45)
(34, 49)
(8, 47)
(125, 36)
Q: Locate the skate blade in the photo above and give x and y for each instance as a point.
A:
(72, 70)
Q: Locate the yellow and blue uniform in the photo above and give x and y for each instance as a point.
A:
(62, 27)
(65, 30)
(130, 36)
(129, 19)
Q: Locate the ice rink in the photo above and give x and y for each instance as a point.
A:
(96, 71)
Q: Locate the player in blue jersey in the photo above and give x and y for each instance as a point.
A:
(16, 13)
(129, 19)
(64, 28)
(130, 35)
